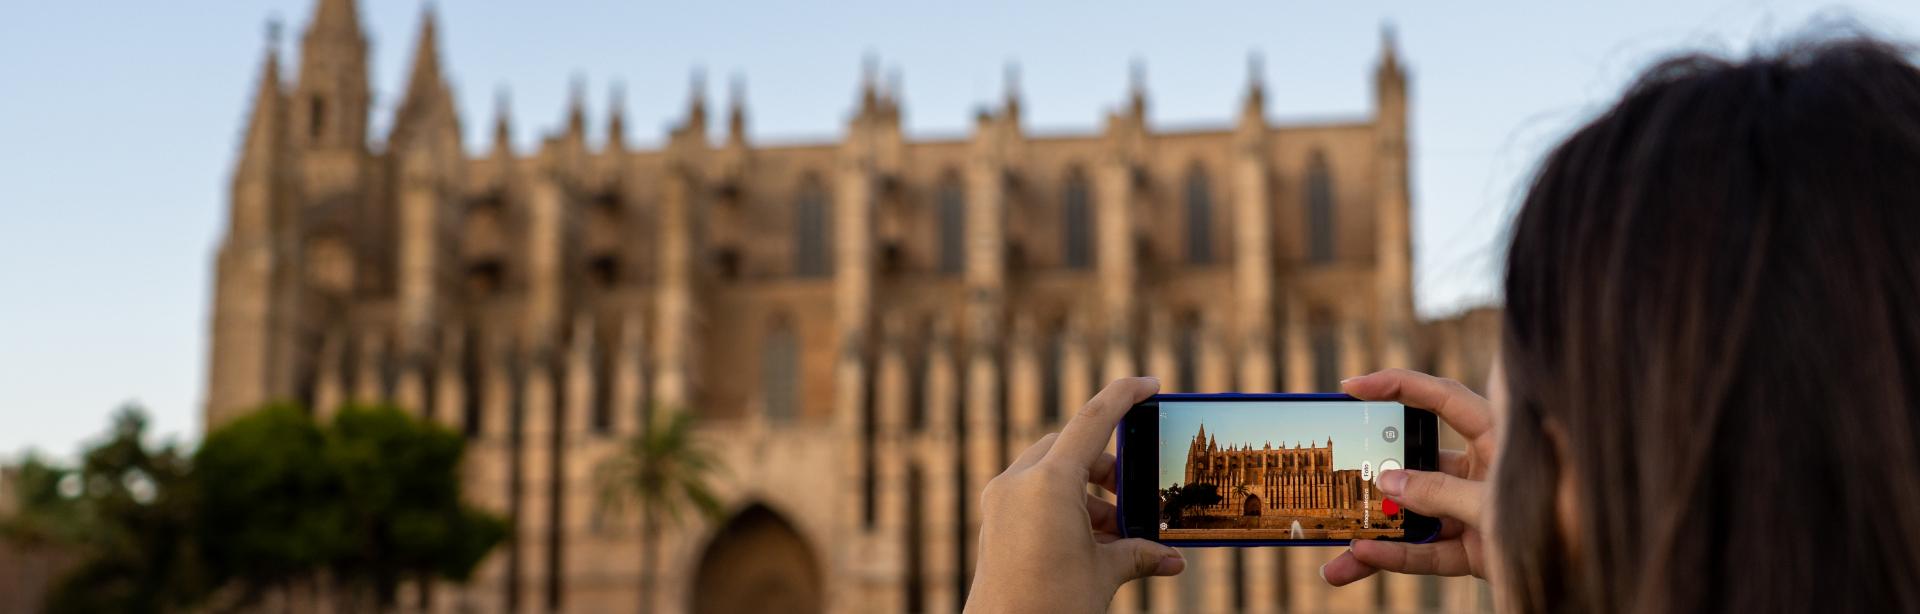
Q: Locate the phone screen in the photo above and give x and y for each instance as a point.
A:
(1275, 471)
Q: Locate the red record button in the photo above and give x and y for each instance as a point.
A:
(1389, 507)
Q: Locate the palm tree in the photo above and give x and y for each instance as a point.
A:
(664, 470)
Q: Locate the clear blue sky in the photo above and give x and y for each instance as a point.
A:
(119, 121)
(1356, 429)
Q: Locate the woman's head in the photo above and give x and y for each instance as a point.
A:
(1712, 344)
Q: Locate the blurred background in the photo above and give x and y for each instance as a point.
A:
(338, 305)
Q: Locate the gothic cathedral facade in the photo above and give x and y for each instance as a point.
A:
(865, 329)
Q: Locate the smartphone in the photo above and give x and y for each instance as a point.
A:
(1269, 469)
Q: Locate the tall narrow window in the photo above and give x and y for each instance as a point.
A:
(1320, 226)
(1076, 221)
(1199, 217)
(1326, 352)
(779, 373)
(916, 590)
(1052, 359)
(810, 231)
(1186, 347)
(316, 117)
(471, 391)
(602, 375)
(953, 225)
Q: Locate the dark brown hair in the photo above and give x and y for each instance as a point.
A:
(1713, 331)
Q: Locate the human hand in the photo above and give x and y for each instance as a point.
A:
(1455, 494)
(1048, 546)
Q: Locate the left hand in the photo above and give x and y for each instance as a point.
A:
(1048, 546)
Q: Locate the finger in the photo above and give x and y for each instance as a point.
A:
(1086, 435)
(1131, 559)
(1102, 516)
(1447, 558)
(1345, 569)
(1101, 472)
(1435, 494)
(1453, 402)
(1034, 452)
(1454, 462)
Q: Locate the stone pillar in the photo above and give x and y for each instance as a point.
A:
(367, 383)
(853, 272)
(328, 392)
(1077, 371)
(1023, 387)
(673, 351)
(449, 395)
(937, 454)
(1216, 375)
(1306, 591)
(888, 540)
(629, 395)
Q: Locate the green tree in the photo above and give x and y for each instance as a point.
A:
(373, 498)
(43, 514)
(135, 505)
(270, 510)
(404, 518)
(664, 471)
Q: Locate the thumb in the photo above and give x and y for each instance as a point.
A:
(1435, 494)
(1131, 559)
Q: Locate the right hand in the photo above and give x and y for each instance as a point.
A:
(1456, 494)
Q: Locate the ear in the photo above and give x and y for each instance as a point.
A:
(1567, 509)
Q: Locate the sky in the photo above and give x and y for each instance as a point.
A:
(119, 122)
(1356, 430)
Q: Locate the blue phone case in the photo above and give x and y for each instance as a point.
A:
(1120, 502)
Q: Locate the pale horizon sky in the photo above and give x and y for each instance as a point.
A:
(120, 121)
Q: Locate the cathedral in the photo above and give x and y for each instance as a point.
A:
(1268, 481)
(865, 329)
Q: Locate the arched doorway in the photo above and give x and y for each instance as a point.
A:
(1251, 506)
(757, 562)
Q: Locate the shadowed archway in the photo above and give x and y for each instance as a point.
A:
(758, 562)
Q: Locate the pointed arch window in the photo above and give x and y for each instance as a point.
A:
(1199, 216)
(1077, 221)
(1320, 225)
(951, 202)
(780, 372)
(810, 227)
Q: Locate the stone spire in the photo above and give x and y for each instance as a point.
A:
(1389, 53)
(336, 17)
(577, 106)
(1255, 105)
(428, 104)
(269, 108)
(697, 99)
(616, 118)
(737, 110)
(332, 87)
(502, 124)
(869, 84)
(1137, 89)
(1011, 92)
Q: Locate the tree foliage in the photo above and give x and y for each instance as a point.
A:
(134, 507)
(270, 500)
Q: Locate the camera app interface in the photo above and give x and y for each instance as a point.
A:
(1278, 470)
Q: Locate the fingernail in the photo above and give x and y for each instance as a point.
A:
(1392, 482)
(1170, 565)
(1323, 572)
